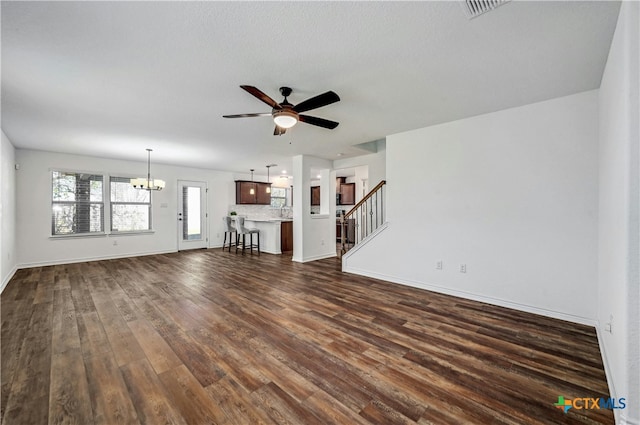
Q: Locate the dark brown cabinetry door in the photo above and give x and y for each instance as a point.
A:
(262, 196)
(347, 193)
(243, 193)
(286, 236)
(259, 195)
(315, 195)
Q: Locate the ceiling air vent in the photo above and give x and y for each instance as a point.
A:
(474, 8)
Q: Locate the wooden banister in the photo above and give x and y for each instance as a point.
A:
(363, 218)
(363, 200)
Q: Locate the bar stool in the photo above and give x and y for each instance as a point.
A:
(228, 228)
(241, 230)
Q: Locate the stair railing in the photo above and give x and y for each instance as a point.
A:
(363, 219)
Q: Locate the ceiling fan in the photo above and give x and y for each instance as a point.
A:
(285, 115)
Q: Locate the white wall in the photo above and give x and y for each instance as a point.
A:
(511, 194)
(375, 163)
(314, 235)
(36, 247)
(8, 258)
(619, 255)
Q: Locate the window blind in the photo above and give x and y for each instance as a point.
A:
(77, 205)
(130, 207)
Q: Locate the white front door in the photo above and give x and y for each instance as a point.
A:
(192, 215)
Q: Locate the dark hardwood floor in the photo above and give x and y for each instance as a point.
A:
(210, 337)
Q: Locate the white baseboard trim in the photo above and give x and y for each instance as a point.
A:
(100, 258)
(619, 415)
(314, 258)
(605, 361)
(87, 259)
(472, 296)
(7, 278)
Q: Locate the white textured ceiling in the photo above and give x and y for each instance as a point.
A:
(110, 79)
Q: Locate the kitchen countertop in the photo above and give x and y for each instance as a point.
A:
(268, 220)
(270, 232)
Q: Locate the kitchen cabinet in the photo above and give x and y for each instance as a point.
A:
(315, 195)
(262, 196)
(286, 236)
(259, 196)
(347, 194)
(276, 234)
(243, 195)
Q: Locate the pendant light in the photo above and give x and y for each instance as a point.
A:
(148, 183)
(252, 191)
(268, 176)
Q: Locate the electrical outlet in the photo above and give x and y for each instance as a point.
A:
(439, 265)
(218, 235)
(322, 242)
(115, 243)
(463, 268)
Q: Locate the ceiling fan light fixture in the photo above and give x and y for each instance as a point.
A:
(285, 119)
(285, 115)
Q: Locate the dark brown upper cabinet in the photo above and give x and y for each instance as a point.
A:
(315, 195)
(346, 192)
(260, 196)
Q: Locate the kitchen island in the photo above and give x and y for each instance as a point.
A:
(271, 233)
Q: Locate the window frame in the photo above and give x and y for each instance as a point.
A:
(53, 204)
(286, 191)
(112, 203)
(106, 211)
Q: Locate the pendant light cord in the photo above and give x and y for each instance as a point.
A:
(149, 169)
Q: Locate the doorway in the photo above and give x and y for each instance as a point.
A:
(192, 215)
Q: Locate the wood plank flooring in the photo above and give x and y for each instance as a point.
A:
(210, 337)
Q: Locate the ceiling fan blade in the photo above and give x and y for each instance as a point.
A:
(317, 102)
(263, 97)
(279, 131)
(266, 114)
(320, 122)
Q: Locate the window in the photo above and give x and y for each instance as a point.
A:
(278, 197)
(130, 207)
(76, 203)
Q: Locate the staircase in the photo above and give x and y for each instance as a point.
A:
(363, 219)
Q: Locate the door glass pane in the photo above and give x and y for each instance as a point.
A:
(192, 221)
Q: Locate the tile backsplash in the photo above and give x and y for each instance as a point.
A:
(261, 211)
